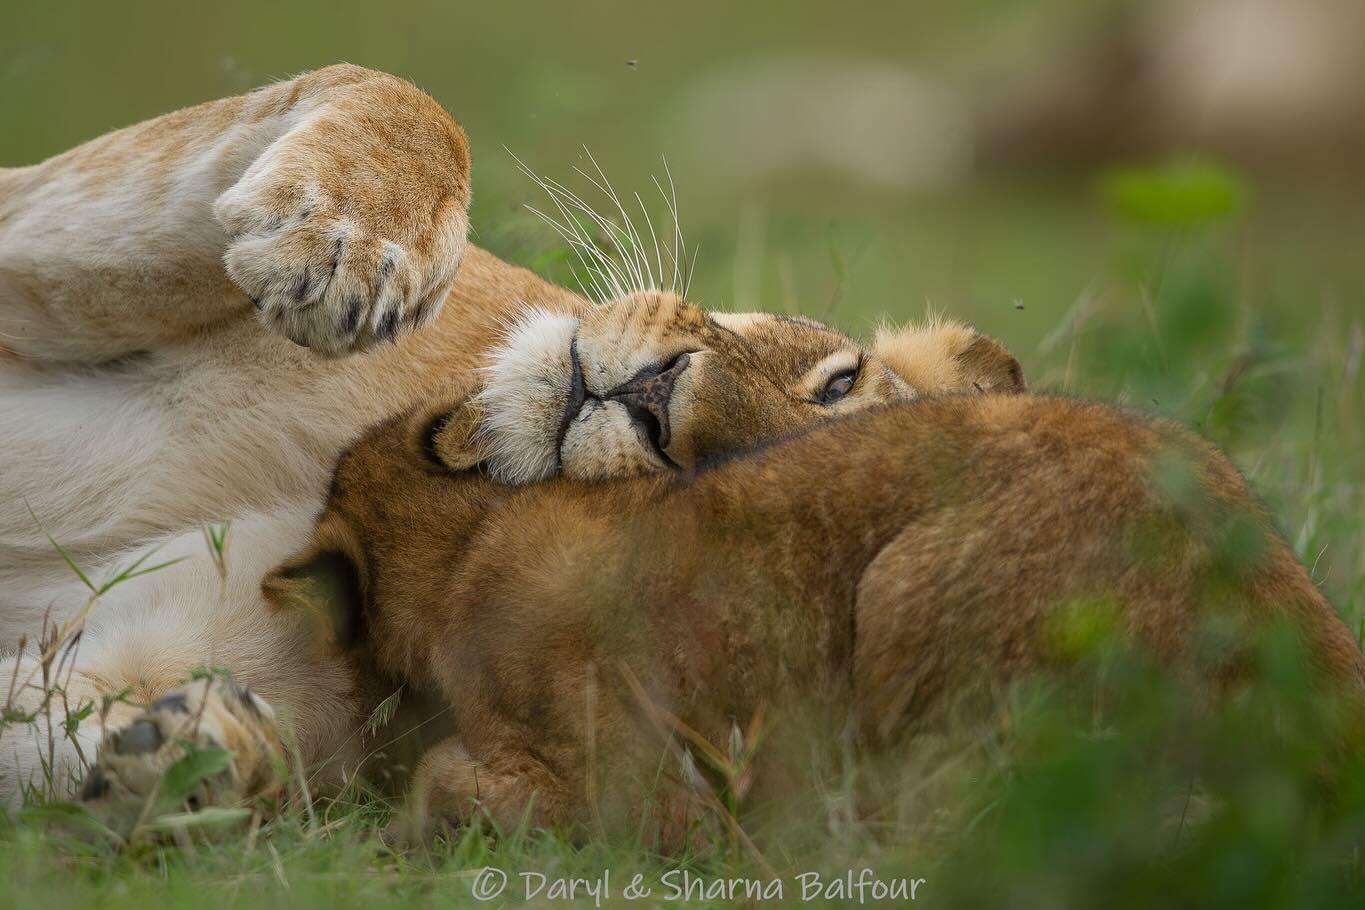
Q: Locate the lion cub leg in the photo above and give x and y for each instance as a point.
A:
(451, 787)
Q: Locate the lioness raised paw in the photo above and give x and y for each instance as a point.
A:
(135, 763)
(350, 227)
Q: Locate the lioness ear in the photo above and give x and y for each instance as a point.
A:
(448, 436)
(946, 356)
(327, 584)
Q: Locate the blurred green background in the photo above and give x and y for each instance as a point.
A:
(1159, 202)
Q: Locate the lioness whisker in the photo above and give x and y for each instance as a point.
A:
(627, 267)
(574, 234)
(577, 237)
(655, 237)
(629, 225)
(679, 245)
(627, 277)
(579, 248)
(592, 270)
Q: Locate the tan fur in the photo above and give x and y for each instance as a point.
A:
(946, 356)
(882, 566)
(342, 154)
(142, 394)
(228, 417)
(748, 379)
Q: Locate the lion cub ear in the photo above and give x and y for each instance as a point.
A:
(325, 583)
(447, 436)
(943, 357)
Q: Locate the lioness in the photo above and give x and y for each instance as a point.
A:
(198, 313)
(883, 564)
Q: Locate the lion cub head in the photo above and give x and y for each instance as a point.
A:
(651, 382)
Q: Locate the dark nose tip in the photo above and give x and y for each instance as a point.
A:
(646, 398)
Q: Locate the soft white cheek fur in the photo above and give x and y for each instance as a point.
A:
(526, 388)
(604, 442)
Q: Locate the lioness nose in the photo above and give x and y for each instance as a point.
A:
(646, 398)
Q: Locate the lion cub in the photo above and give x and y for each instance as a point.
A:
(878, 566)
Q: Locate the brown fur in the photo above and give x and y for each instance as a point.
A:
(336, 204)
(882, 565)
(121, 225)
(340, 198)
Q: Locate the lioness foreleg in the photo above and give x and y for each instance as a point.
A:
(336, 200)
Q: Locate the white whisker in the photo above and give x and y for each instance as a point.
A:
(562, 195)
(574, 245)
(655, 237)
(617, 232)
(632, 234)
(624, 269)
(687, 285)
(596, 262)
(605, 188)
(679, 246)
(588, 255)
(602, 281)
(626, 266)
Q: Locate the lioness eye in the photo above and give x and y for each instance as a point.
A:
(838, 386)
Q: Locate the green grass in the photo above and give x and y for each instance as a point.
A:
(1132, 796)
(1234, 304)
(1128, 795)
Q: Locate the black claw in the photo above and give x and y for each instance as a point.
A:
(243, 694)
(96, 785)
(142, 737)
(351, 320)
(336, 254)
(301, 289)
(418, 315)
(255, 301)
(175, 703)
(388, 328)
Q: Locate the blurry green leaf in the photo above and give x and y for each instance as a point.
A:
(64, 812)
(542, 264)
(183, 777)
(1076, 630)
(1240, 546)
(1175, 478)
(1183, 194)
(73, 720)
(209, 817)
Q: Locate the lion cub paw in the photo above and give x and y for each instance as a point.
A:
(328, 266)
(136, 762)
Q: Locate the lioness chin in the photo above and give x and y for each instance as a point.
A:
(883, 566)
